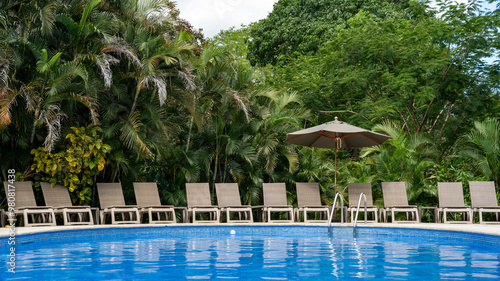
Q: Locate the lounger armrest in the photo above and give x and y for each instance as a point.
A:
(203, 206)
(34, 207)
(156, 206)
(315, 206)
(361, 206)
(72, 207)
(120, 206)
(407, 206)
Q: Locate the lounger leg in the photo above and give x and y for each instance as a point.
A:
(65, 217)
(383, 215)
(150, 215)
(26, 221)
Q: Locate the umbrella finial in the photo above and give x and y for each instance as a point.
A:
(336, 118)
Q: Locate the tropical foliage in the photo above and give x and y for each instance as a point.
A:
(76, 166)
(143, 96)
(481, 148)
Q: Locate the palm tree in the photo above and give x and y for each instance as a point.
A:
(315, 165)
(403, 158)
(481, 148)
(278, 114)
(64, 58)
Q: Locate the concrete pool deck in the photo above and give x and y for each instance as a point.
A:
(491, 229)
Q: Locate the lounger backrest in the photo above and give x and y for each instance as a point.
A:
(308, 194)
(451, 194)
(483, 194)
(198, 194)
(355, 189)
(23, 193)
(110, 194)
(394, 194)
(274, 194)
(228, 194)
(57, 196)
(146, 194)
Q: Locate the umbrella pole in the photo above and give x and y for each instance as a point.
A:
(335, 166)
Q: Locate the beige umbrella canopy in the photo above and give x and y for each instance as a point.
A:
(336, 134)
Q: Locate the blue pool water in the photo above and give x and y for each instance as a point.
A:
(254, 253)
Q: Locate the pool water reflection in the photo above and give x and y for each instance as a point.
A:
(257, 253)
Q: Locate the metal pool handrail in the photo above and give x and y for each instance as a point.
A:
(357, 211)
(333, 209)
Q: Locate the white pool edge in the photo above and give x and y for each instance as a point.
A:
(490, 229)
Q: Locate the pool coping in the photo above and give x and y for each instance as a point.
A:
(490, 229)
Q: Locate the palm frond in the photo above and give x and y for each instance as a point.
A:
(48, 15)
(86, 12)
(68, 22)
(130, 134)
(104, 62)
(7, 100)
(122, 48)
(159, 85)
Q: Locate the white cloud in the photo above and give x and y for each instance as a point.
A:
(215, 15)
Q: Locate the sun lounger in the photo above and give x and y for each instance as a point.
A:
(148, 201)
(112, 203)
(25, 205)
(484, 199)
(309, 200)
(275, 201)
(355, 189)
(58, 198)
(229, 201)
(451, 200)
(396, 201)
(199, 201)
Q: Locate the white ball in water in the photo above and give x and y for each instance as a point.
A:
(233, 232)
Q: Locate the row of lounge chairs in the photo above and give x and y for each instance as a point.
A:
(200, 208)
(451, 200)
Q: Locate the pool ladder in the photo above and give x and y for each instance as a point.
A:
(362, 195)
(333, 209)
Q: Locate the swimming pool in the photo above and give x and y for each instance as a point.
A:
(255, 253)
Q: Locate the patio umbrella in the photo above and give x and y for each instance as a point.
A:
(336, 134)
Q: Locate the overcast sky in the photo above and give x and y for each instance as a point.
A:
(216, 15)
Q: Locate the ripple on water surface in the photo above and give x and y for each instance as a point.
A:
(256, 253)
